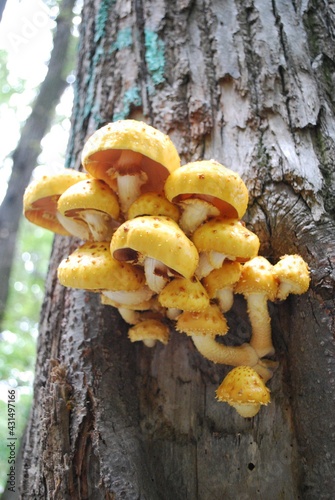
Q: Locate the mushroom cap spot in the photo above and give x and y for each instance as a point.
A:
(225, 276)
(243, 385)
(185, 294)
(89, 194)
(257, 277)
(294, 270)
(158, 237)
(91, 267)
(210, 322)
(103, 149)
(216, 183)
(150, 329)
(227, 236)
(41, 197)
(153, 204)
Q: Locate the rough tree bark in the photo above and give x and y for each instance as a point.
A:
(249, 84)
(29, 146)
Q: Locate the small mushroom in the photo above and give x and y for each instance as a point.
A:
(91, 267)
(89, 210)
(205, 189)
(153, 204)
(149, 332)
(219, 284)
(131, 157)
(244, 390)
(41, 197)
(183, 294)
(159, 245)
(220, 239)
(293, 276)
(258, 285)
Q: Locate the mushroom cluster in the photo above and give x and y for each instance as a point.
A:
(164, 242)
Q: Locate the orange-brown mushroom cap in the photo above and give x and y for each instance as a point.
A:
(149, 332)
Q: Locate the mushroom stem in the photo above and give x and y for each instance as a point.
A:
(131, 317)
(195, 212)
(155, 274)
(129, 177)
(246, 410)
(101, 225)
(129, 188)
(149, 342)
(228, 355)
(225, 298)
(260, 320)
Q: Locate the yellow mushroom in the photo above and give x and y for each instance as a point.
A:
(183, 294)
(131, 157)
(91, 267)
(41, 197)
(159, 245)
(153, 204)
(203, 327)
(89, 210)
(220, 239)
(219, 284)
(258, 285)
(244, 390)
(293, 276)
(149, 332)
(205, 189)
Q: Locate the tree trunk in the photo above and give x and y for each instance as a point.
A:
(250, 85)
(29, 146)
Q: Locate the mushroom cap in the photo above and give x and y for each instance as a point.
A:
(293, 272)
(225, 276)
(185, 294)
(41, 197)
(157, 237)
(103, 149)
(89, 194)
(212, 182)
(149, 330)
(153, 204)
(210, 322)
(243, 385)
(227, 236)
(257, 277)
(91, 267)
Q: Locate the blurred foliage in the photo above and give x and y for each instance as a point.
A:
(8, 85)
(20, 328)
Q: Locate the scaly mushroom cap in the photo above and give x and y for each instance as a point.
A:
(185, 294)
(225, 276)
(89, 210)
(41, 197)
(293, 276)
(257, 277)
(210, 322)
(226, 236)
(91, 267)
(153, 204)
(157, 237)
(245, 390)
(149, 331)
(212, 182)
(157, 156)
